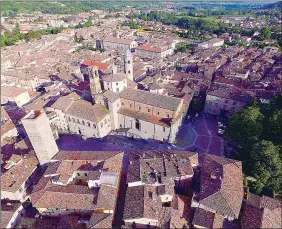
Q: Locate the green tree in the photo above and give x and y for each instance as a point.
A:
(246, 127)
(265, 33)
(266, 165)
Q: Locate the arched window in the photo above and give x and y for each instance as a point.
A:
(128, 62)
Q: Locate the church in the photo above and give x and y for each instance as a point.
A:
(117, 105)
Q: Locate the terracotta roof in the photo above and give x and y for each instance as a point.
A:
(111, 96)
(117, 40)
(221, 186)
(69, 197)
(63, 102)
(139, 204)
(145, 117)
(230, 92)
(13, 178)
(175, 163)
(100, 220)
(150, 48)
(206, 219)
(69, 221)
(261, 212)
(42, 222)
(84, 109)
(131, 83)
(156, 100)
(12, 91)
(6, 127)
(85, 155)
(100, 65)
(47, 194)
(114, 77)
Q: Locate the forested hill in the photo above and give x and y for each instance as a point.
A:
(276, 6)
(59, 7)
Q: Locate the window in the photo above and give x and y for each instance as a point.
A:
(83, 122)
(78, 121)
(150, 195)
(149, 110)
(117, 84)
(128, 62)
(117, 89)
(122, 103)
(167, 115)
(78, 174)
(158, 113)
(128, 71)
(85, 174)
(94, 125)
(73, 120)
(163, 129)
(69, 119)
(137, 124)
(120, 125)
(130, 105)
(88, 123)
(139, 108)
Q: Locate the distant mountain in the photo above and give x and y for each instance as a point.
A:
(275, 6)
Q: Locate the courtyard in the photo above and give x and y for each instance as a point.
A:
(200, 136)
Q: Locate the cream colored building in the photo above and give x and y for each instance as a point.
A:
(111, 42)
(145, 114)
(80, 117)
(17, 95)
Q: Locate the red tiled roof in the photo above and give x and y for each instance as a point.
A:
(150, 48)
(100, 65)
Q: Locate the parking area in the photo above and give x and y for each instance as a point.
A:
(201, 136)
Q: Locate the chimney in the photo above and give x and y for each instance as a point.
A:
(114, 69)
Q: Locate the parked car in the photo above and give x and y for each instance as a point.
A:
(220, 132)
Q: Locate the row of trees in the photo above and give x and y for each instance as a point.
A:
(14, 36)
(193, 25)
(257, 131)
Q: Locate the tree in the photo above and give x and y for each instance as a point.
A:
(266, 165)
(245, 127)
(265, 33)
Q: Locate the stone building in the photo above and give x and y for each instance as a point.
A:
(227, 100)
(38, 129)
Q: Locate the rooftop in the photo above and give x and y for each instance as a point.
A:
(221, 186)
(152, 99)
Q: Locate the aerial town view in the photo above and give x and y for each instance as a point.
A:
(141, 114)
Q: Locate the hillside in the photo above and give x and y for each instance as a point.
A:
(275, 6)
(59, 7)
